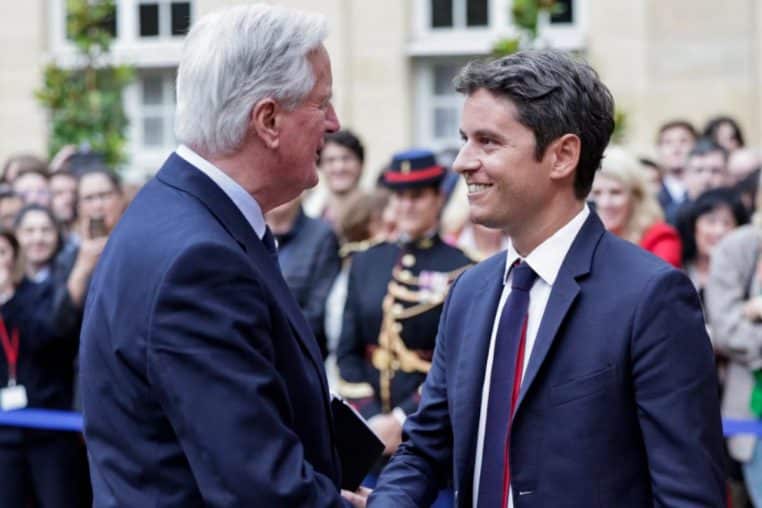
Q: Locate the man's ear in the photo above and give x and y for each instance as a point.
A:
(565, 151)
(264, 122)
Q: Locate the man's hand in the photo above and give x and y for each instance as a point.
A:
(389, 430)
(358, 498)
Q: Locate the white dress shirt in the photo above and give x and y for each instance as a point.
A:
(545, 260)
(675, 188)
(244, 201)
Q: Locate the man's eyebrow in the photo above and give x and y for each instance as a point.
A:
(484, 133)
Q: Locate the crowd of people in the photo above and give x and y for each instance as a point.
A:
(55, 221)
(370, 270)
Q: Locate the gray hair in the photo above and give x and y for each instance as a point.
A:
(236, 57)
(554, 95)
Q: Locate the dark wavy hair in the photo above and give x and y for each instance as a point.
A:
(554, 95)
(348, 140)
(706, 203)
(713, 125)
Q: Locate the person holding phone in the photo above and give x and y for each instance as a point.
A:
(36, 371)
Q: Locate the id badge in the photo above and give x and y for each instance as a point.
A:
(13, 397)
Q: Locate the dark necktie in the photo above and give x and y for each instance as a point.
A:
(507, 365)
(269, 240)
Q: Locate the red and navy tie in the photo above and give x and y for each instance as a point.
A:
(507, 366)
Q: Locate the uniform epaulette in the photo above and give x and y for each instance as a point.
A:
(350, 248)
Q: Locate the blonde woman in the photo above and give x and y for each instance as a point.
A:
(627, 208)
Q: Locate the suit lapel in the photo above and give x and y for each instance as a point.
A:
(180, 174)
(562, 295)
(470, 373)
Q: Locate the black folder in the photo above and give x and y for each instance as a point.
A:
(358, 446)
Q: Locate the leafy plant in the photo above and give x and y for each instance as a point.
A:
(85, 103)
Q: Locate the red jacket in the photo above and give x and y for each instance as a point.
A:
(662, 240)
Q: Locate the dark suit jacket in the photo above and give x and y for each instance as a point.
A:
(202, 384)
(618, 406)
(309, 259)
(668, 204)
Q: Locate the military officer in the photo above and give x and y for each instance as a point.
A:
(394, 298)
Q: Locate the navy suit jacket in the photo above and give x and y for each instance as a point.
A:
(202, 384)
(618, 406)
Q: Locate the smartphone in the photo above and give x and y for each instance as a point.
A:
(97, 227)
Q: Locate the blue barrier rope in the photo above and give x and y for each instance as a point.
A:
(49, 419)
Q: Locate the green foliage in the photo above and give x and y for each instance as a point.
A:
(620, 126)
(85, 103)
(525, 15)
(506, 46)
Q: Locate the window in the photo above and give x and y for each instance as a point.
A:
(459, 13)
(162, 18)
(156, 109)
(439, 105)
(565, 12)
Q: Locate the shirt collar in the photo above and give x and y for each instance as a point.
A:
(674, 186)
(242, 199)
(546, 258)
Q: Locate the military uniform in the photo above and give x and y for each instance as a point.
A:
(394, 298)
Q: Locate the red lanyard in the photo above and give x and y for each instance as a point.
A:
(11, 348)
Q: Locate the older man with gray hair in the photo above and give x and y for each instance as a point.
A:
(202, 384)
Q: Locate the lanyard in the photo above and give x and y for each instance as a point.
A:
(11, 348)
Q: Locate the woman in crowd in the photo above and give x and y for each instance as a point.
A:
(37, 365)
(733, 301)
(361, 225)
(726, 132)
(40, 240)
(629, 210)
(713, 215)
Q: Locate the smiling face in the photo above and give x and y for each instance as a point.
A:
(711, 227)
(37, 237)
(613, 203)
(507, 186)
(341, 168)
(303, 128)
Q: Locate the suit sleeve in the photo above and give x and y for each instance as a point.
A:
(418, 469)
(211, 360)
(676, 393)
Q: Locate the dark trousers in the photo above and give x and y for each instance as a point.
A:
(50, 466)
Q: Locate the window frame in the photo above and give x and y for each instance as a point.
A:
(144, 160)
(128, 47)
(427, 41)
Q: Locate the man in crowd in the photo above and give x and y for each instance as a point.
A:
(675, 140)
(706, 168)
(33, 187)
(308, 255)
(63, 198)
(202, 383)
(573, 370)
